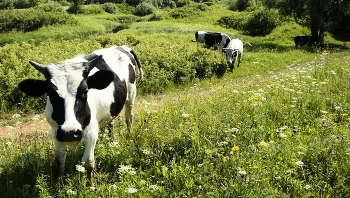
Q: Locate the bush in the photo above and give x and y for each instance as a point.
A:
(91, 9)
(236, 21)
(262, 22)
(183, 12)
(76, 6)
(144, 9)
(239, 5)
(17, 4)
(51, 7)
(125, 8)
(110, 8)
(182, 3)
(31, 19)
(156, 17)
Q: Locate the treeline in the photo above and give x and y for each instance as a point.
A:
(20, 4)
(320, 16)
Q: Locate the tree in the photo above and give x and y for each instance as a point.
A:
(76, 6)
(319, 15)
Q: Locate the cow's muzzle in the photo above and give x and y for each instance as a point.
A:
(68, 136)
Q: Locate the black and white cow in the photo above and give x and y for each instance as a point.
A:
(304, 40)
(84, 92)
(212, 39)
(233, 51)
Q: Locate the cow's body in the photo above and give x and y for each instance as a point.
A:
(233, 51)
(213, 39)
(84, 92)
(304, 40)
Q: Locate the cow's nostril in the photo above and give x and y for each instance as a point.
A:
(69, 136)
(78, 134)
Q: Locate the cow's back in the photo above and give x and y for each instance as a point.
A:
(235, 44)
(109, 102)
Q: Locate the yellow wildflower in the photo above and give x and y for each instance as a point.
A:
(262, 143)
(235, 148)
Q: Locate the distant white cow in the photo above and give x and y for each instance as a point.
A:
(233, 51)
(84, 92)
(212, 39)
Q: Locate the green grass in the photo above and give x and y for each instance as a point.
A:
(275, 127)
(278, 134)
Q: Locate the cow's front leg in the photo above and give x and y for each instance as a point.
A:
(88, 158)
(60, 156)
(233, 64)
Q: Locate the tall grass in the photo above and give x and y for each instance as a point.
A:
(282, 134)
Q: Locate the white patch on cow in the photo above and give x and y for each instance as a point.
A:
(200, 37)
(235, 45)
(67, 76)
(120, 65)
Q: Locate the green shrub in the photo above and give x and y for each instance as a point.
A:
(156, 17)
(18, 4)
(76, 7)
(239, 5)
(144, 9)
(125, 8)
(110, 8)
(262, 22)
(182, 3)
(236, 21)
(51, 7)
(183, 12)
(31, 19)
(91, 9)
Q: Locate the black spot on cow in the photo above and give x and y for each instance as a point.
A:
(304, 40)
(212, 38)
(81, 106)
(58, 113)
(132, 75)
(120, 93)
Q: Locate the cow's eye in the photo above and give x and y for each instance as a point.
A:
(85, 93)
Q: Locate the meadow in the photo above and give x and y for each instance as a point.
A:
(278, 126)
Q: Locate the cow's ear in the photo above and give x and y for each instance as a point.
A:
(100, 79)
(94, 62)
(33, 87)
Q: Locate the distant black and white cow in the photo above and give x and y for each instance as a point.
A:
(212, 39)
(84, 92)
(304, 40)
(233, 51)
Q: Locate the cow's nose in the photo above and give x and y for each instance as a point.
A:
(68, 135)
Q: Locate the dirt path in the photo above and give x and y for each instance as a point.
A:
(36, 124)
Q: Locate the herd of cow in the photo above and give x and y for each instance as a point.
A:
(86, 91)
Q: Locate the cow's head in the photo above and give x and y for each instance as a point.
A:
(231, 55)
(67, 85)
